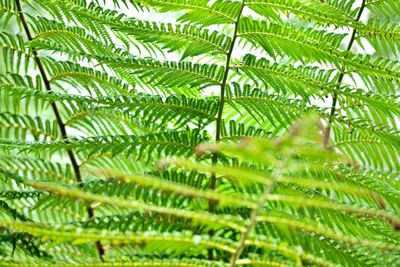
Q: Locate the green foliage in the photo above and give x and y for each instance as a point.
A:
(178, 133)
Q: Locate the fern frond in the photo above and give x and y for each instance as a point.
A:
(147, 110)
(17, 58)
(180, 241)
(383, 36)
(177, 188)
(89, 197)
(170, 74)
(378, 109)
(387, 9)
(236, 131)
(169, 142)
(82, 78)
(298, 43)
(8, 12)
(282, 78)
(38, 168)
(185, 38)
(200, 12)
(360, 145)
(14, 126)
(256, 102)
(71, 37)
(337, 13)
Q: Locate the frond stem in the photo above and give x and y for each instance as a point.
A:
(225, 77)
(327, 132)
(213, 182)
(56, 112)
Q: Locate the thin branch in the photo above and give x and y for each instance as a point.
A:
(327, 132)
(213, 183)
(57, 114)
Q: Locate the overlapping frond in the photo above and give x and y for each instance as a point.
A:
(274, 218)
